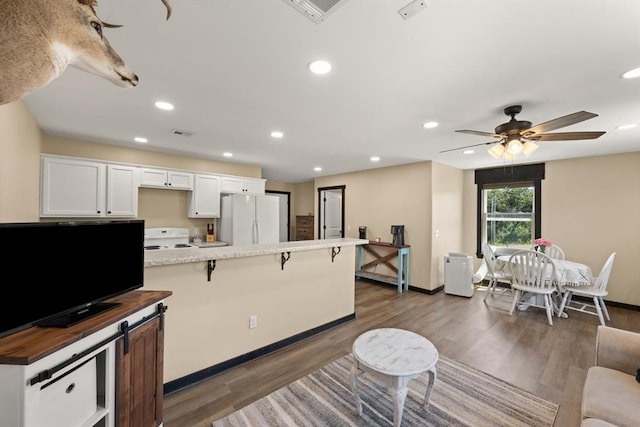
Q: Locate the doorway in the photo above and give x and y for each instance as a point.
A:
(331, 212)
(285, 218)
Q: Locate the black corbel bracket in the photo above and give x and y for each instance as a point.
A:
(334, 252)
(284, 259)
(211, 265)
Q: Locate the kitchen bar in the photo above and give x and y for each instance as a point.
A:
(208, 323)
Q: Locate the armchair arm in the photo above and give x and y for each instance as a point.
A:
(618, 349)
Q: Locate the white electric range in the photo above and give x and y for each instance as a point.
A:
(166, 238)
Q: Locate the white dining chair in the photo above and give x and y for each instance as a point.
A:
(492, 275)
(596, 291)
(533, 273)
(555, 252)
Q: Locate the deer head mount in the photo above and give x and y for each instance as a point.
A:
(40, 38)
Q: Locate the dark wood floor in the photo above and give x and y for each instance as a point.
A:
(550, 361)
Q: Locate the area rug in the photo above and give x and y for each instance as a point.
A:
(462, 396)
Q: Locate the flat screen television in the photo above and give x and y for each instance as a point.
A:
(55, 274)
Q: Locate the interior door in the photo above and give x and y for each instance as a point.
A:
(331, 214)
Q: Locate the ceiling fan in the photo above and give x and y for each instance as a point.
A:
(516, 136)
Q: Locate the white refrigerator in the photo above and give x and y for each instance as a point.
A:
(246, 220)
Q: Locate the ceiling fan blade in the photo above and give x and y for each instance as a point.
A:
(469, 146)
(478, 132)
(560, 122)
(565, 136)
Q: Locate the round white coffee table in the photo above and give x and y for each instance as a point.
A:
(396, 356)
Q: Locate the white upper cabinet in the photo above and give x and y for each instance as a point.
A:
(83, 188)
(204, 200)
(242, 185)
(72, 188)
(162, 178)
(122, 190)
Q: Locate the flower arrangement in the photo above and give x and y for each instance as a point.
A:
(540, 244)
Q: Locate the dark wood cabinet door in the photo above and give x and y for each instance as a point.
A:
(139, 381)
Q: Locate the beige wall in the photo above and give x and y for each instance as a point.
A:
(208, 322)
(379, 198)
(114, 153)
(590, 208)
(446, 230)
(19, 164)
(305, 198)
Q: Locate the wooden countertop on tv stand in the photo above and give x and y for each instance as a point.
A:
(33, 344)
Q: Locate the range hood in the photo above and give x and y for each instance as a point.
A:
(316, 10)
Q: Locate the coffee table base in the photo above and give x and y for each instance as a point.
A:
(396, 386)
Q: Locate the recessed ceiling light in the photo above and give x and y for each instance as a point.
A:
(227, 154)
(320, 67)
(468, 152)
(164, 105)
(631, 74)
(430, 125)
(140, 139)
(277, 134)
(627, 126)
(375, 159)
(317, 169)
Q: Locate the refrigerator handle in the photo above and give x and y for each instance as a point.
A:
(256, 232)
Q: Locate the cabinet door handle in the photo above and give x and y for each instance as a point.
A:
(70, 388)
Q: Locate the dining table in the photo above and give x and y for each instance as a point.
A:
(567, 274)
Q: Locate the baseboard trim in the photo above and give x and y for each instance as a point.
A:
(427, 291)
(191, 379)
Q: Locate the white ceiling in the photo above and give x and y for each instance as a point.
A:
(236, 69)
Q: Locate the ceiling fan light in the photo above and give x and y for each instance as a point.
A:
(514, 146)
(496, 151)
(529, 147)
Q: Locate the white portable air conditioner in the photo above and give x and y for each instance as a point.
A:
(458, 275)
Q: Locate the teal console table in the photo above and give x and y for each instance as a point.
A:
(400, 266)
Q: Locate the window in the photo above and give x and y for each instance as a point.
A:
(507, 215)
(508, 209)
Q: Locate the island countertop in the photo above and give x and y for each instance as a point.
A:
(186, 255)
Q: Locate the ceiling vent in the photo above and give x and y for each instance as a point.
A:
(316, 10)
(181, 132)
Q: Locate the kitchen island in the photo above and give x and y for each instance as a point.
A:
(234, 303)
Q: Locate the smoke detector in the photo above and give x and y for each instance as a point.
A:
(316, 10)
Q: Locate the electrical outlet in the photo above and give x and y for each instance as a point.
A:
(253, 321)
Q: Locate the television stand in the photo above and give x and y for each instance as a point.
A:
(69, 319)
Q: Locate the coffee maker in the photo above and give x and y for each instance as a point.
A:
(363, 232)
(398, 234)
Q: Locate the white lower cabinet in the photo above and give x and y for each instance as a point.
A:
(84, 392)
